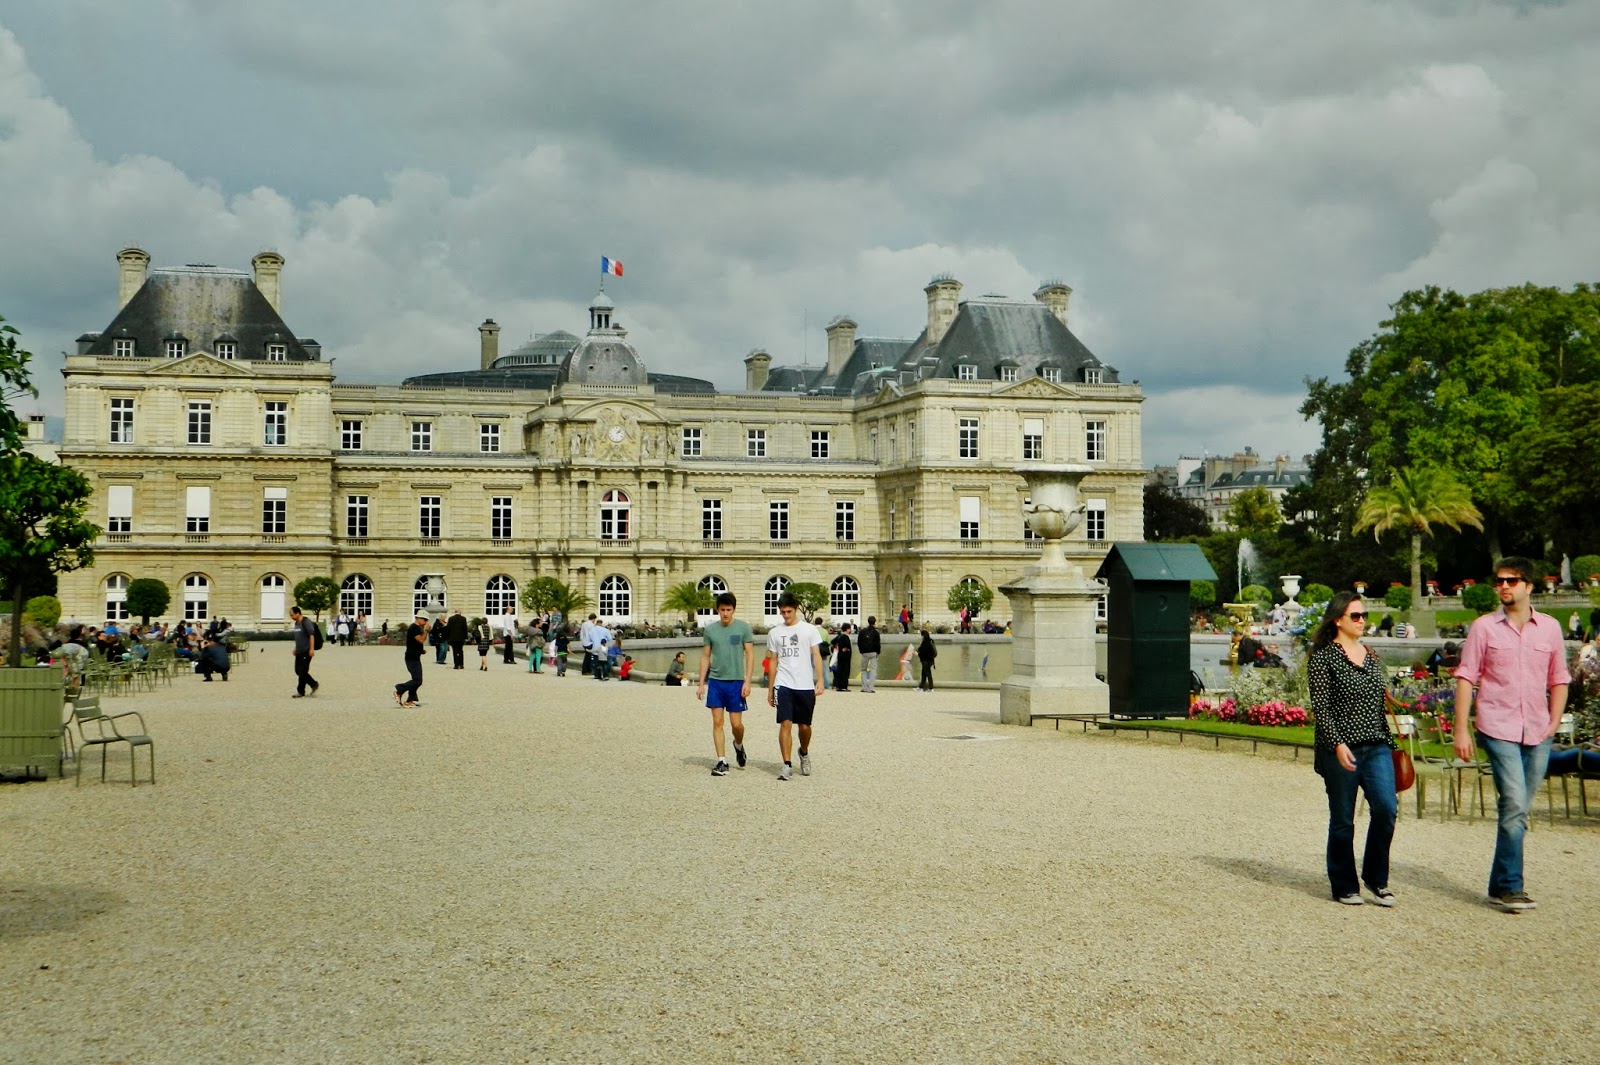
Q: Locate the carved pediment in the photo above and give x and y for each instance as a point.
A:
(198, 365)
(1036, 388)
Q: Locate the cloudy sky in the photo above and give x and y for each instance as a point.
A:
(1234, 190)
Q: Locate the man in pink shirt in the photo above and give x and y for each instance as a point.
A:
(1516, 660)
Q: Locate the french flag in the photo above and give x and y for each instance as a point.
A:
(610, 266)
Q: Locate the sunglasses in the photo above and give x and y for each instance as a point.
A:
(1506, 580)
(1357, 615)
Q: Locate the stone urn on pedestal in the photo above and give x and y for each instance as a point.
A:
(434, 589)
(1291, 608)
(1053, 606)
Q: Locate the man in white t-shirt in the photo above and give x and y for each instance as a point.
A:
(796, 682)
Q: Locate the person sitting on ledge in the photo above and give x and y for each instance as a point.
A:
(213, 659)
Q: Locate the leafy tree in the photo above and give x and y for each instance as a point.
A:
(148, 598)
(811, 597)
(1254, 512)
(1583, 566)
(1415, 501)
(1202, 594)
(690, 599)
(316, 594)
(1314, 593)
(553, 595)
(42, 527)
(1479, 597)
(14, 384)
(1554, 467)
(45, 610)
(970, 593)
(1398, 597)
(1170, 516)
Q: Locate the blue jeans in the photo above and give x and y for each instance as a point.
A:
(1374, 775)
(1518, 771)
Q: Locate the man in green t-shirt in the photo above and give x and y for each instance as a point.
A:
(727, 657)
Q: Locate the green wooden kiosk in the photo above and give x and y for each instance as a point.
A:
(1147, 626)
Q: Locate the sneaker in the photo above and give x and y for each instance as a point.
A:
(399, 699)
(738, 754)
(1513, 901)
(720, 769)
(783, 774)
(805, 765)
(298, 695)
(1351, 900)
(1383, 896)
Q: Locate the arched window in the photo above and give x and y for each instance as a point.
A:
(616, 598)
(272, 596)
(419, 595)
(769, 595)
(889, 598)
(117, 597)
(716, 586)
(844, 599)
(355, 595)
(614, 508)
(196, 597)
(500, 597)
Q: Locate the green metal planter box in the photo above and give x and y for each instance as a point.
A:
(31, 701)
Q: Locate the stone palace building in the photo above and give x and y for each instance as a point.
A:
(228, 462)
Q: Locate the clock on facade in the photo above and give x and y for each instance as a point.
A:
(616, 434)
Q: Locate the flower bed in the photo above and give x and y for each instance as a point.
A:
(1275, 713)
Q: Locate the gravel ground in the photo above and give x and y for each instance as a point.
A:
(537, 869)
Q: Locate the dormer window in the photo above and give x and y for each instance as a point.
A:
(966, 371)
(1093, 375)
(122, 347)
(1008, 374)
(175, 346)
(226, 347)
(277, 352)
(1051, 374)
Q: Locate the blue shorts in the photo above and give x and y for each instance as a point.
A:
(797, 705)
(725, 695)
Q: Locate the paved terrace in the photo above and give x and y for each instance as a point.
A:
(533, 869)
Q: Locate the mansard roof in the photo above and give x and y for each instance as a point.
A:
(200, 304)
(989, 331)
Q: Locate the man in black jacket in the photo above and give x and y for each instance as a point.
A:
(455, 634)
(213, 659)
(870, 644)
(841, 669)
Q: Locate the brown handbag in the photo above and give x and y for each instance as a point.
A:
(1405, 774)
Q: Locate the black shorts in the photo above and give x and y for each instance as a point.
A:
(796, 705)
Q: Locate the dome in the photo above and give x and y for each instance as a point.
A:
(602, 301)
(546, 349)
(602, 359)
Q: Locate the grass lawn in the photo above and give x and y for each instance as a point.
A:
(1301, 735)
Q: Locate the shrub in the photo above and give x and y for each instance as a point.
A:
(1258, 594)
(1202, 594)
(1398, 597)
(1480, 597)
(44, 609)
(1314, 593)
(1583, 566)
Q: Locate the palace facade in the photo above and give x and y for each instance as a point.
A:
(228, 462)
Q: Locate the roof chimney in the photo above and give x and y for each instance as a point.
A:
(488, 342)
(132, 265)
(269, 269)
(757, 365)
(841, 341)
(944, 292)
(1054, 294)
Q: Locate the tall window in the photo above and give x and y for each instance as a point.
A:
(969, 517)
(1094, 444)
(355, 516)
(1032, 439)
(755, 443)
(488, 437)
(711, 519)
(122, 421)
(819, 443)
(844, 519)
(274, 511)
(273, 594)
(117, 597)
(844, 598)
(614, 514)
(276, 430)
(429, 517)
(196, 597)
(122, 347)
(500, 517)
(911, 517)
(892, 533)
(350, 435)
(874, 443)
(500, 597)
(119, 508)
(967, 438)
(616, 598)
(198, 508)
(199, 421)
(1094, 519)
(691, 442)
(355, 595)
(714, 586)
(421, 436)
(277, 352)
(966, 371)
(770, 593)
(227, 349)
(778, 519)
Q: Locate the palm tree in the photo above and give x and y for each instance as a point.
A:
(1415, 501)
(690, 598)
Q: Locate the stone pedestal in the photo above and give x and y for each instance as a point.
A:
(1053, 647)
